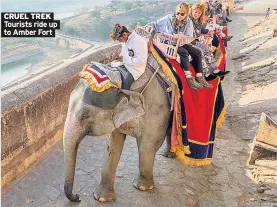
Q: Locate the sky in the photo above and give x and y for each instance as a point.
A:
(48, 5)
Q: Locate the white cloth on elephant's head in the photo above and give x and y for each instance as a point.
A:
(112, 73)
(135, 53)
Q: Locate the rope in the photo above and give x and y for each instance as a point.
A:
(150, 79)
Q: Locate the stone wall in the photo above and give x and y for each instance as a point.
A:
(34, 111)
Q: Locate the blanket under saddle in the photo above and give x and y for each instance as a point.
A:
(101, 76)
(195, 116)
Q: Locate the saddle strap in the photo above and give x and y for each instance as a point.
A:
(164, 83)
(151, 79)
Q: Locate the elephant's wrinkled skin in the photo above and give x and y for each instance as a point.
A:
(90, 113)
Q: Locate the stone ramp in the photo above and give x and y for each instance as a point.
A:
(223, 183)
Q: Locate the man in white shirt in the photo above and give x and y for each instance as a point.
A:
(134, 53)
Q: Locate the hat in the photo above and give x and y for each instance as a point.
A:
(116, 31)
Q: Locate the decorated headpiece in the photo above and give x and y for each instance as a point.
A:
(116, 31)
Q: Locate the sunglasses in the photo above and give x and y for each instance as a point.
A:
(182, 14)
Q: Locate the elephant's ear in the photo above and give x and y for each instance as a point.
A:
(128, 109)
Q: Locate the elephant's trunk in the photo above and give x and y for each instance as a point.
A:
(74, 132)
(70, 151)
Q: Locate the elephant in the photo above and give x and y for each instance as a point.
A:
(92, 113)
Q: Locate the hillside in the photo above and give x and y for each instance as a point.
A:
(97, 25)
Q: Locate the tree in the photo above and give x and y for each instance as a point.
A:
(71, 31)
(127, 5)
(114, 5)
(138, 4)
(96, 13)
(102, 28)
(133, 25)
(83, 10)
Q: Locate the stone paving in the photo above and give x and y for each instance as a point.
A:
(223, 183)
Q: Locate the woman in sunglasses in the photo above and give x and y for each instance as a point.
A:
(180, 25)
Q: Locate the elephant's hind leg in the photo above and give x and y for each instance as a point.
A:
(148, 145)
(105, 191)
(145, 180)
(166, 152)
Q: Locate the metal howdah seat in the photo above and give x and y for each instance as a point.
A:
(167, 44)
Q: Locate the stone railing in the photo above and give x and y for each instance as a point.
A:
(34, 111)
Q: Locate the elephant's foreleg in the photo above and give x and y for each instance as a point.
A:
(105, 191)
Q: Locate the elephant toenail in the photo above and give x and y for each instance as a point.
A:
(142, 188)
(102, 199)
